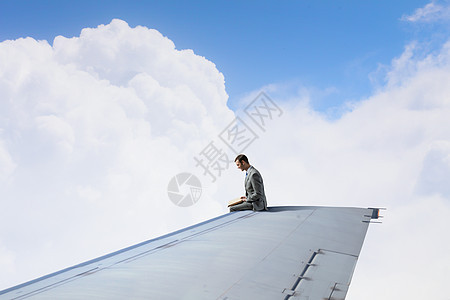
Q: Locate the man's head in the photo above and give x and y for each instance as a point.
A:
(242, 162)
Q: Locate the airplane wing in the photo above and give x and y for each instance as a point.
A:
(294, 252)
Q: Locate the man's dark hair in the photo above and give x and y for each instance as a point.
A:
(241, 157)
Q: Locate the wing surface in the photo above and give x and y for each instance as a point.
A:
(284, 253)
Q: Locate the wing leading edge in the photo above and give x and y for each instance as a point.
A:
(284, 253)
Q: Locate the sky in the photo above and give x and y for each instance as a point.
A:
(326, 45)
(102, 103)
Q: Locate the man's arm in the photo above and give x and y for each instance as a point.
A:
(257, 185)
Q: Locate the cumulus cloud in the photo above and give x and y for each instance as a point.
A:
(433, 178)
(7, 165)
(431, 12)
(92, 129)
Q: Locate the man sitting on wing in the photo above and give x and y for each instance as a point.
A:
(255, 198)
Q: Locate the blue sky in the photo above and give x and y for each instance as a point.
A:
(321, 45)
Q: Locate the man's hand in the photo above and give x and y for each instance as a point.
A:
(244, 198)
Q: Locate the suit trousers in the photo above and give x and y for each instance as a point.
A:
(243, 206)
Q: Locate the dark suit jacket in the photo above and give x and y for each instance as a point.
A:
(254, 189)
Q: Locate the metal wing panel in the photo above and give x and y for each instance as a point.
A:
(287, 252)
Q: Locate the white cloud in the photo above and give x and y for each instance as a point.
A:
(7, 260)
(95, 126)
(92, 129)
(433, 179)
(7, 165)
(391, 150)
(411, 241)
(431, 12)
(57, 132)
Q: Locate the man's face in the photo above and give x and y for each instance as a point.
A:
(240, 165)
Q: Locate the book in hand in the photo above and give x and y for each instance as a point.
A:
(235, 202)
